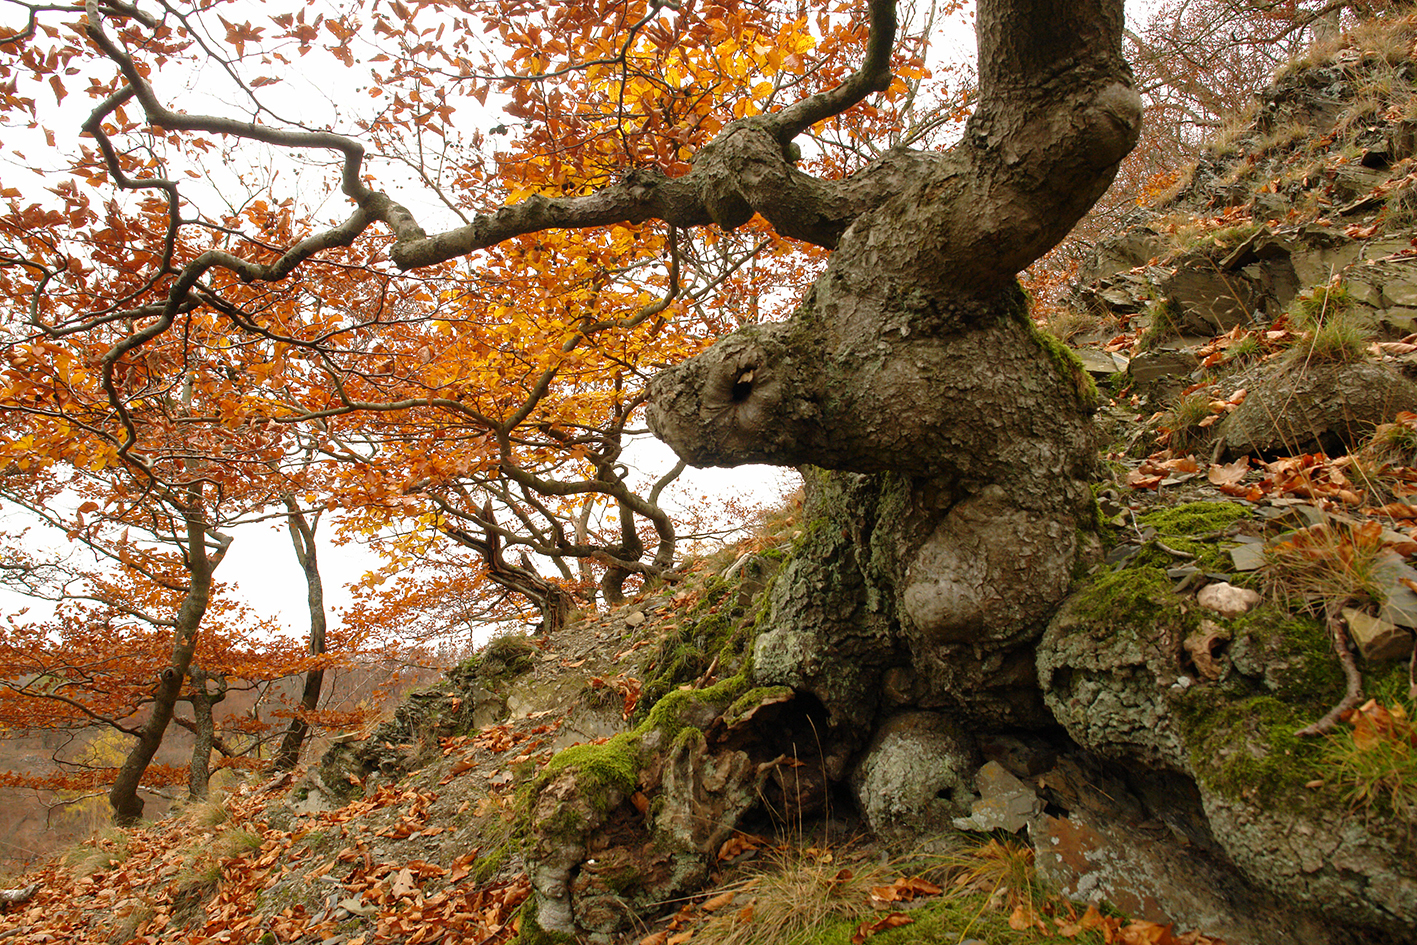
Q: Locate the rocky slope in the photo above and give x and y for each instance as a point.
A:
(770, 729)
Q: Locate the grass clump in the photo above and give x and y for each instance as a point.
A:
(1184, 423)
(504, 656)
(1332, 334)
(1374, 759)
(1066, 324)
(1247, 349)
(790, 901)
(1394, 443)
(1165, 322)
(1333, 561)
(102, 852)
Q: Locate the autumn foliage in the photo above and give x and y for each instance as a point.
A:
(210, 316)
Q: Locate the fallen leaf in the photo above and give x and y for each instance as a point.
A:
(868, 928)
(718, 902)
(1229, 473)
(1023, 917)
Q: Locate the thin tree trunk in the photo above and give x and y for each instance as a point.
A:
(123, 795)
(302, 536)
(199, 769)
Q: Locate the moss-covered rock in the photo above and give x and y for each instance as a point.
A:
(613, 829)
(1117, 675)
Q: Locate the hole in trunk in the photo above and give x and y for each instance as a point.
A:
(743, 387)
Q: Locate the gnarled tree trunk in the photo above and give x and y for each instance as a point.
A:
(912, 361)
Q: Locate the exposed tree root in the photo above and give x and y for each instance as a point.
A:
(1333, 617)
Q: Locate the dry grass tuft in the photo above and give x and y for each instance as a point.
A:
(790, 901)
(1329, 562)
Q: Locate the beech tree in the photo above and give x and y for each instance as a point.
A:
(480, 378)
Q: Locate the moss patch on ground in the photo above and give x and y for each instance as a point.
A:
(954, 918)
(1247, 749)
(1194, 529)
(1127, 601)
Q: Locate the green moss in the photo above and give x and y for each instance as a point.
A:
(1194, 518)
(530, 933)
(1192, 528)
(1247, 750)
(718, 628)
(486, 867)
(671, 715)
(1122, 601)
(1296, 653)
(753, 698)
(601, 770)
(1069, 367)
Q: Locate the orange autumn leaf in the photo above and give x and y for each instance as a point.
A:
(893, 920)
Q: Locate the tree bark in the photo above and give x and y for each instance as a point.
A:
(123, 795)
(199, 769)
(912, 359)
(302, 536)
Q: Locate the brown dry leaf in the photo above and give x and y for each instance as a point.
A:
(679, 938)
(403, 884)
(1023, 917)
(718, 902)
(1399, 510)
(657, 938)
(868, 928)
(891, 893)
(1228, 473)
(1138, 479)
(1091, 919)
(737, 845)
(922, 887)
(1145, 933)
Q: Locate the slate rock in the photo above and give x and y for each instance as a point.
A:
(1375, 638)
(1005, 803)
(1327, 407)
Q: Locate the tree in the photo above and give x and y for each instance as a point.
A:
(679, 134)
(513, 383)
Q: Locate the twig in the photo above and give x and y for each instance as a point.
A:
(708, 674)
(18, 895)
(1332, 616)
(1186, 555)
(1136, 526)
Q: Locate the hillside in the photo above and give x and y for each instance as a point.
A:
(677, 770)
